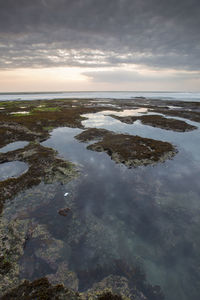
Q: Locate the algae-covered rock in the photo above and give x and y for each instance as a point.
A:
(91, 134)
(130, 150)
(12, 240)
(40, 289)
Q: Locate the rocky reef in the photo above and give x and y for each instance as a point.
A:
(158, 121)
(40, 289)
(43, 166)
(127, 149)
(33, 120)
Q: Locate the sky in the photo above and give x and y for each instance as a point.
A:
(99, 45)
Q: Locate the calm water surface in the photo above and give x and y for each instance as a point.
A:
(147, 215)
(13, 146)
(12, 169)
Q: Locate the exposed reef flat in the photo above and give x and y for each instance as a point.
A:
(158, 121)
(183, 109)
(41, 117)
(130, 150)
(192, 115)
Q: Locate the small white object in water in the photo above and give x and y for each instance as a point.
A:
(66, 194)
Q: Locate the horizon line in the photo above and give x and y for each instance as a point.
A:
(97, 91)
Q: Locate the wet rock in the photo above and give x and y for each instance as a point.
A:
(91, 134)
(131, 150)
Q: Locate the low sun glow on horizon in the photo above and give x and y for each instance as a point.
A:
(93, 79)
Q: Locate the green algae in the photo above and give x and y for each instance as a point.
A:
(43, 109)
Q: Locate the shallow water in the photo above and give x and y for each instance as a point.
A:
(13, 146)
(148, 216)
(12, 169)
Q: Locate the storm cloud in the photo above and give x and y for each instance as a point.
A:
(100, 33)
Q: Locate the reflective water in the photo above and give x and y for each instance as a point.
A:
(147, 215)
(13, 146)
(12, 169)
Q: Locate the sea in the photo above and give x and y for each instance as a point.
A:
(182, 96)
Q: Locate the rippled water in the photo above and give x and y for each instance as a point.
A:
(147, 215)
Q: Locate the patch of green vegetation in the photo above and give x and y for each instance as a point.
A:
(7, 103)
(48, 128)
(46, 108)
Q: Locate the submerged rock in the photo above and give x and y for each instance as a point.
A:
(12, 240)
(64, 211)
(111, 287)
(64, 276)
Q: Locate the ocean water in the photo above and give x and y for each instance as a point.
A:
(148, 216)
(184, 96)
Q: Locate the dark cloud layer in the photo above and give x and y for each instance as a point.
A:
(99, 33)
